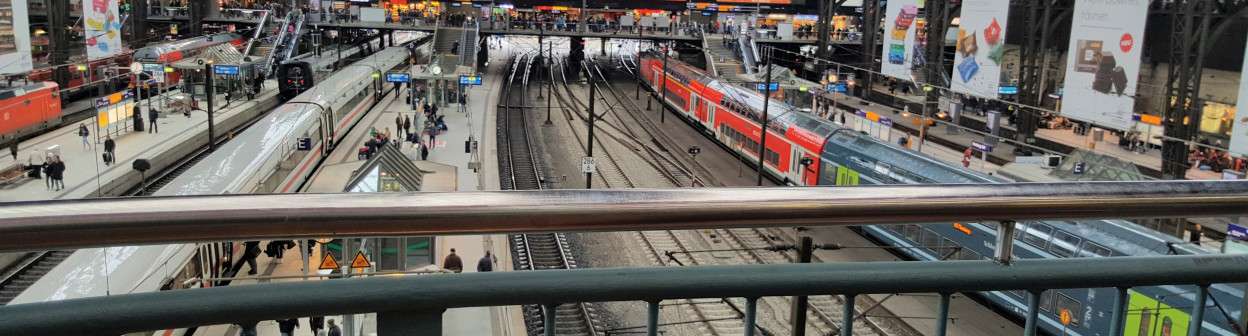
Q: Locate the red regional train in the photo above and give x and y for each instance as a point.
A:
(733, 113)
(26, 110)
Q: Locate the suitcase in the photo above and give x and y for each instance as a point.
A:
(108, 157)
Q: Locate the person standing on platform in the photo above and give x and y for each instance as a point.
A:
(152, 115)
(424, 152)
(334, 330)
(398, 124)
(453, 263)
(287, 327)
(109, 146)
(13, 150)
(83, 132)
(317, 324)
(966, 158)
(407, 127)
(46, 167)
(57, 173)
(486, 264)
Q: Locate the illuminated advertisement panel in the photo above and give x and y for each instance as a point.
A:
(103, 28)
(981, 45)
(899, 21)
(14, 37)
(1104, 62)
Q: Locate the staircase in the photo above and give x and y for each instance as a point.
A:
(261, 28)
(26, 276)
(444, 40)
(723, 59)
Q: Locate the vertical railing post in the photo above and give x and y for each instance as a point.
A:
(1198, 311)
(548, 318)
(797, 315)
(652, 319)
(1033, 313)
(942, 314)
(1005, 242)
(751, 313)
(1120, 312)
(409, 322)
(847, 312)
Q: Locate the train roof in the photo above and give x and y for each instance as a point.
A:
(18, 91)
(233, 168)
(153, 52)
(108, 271)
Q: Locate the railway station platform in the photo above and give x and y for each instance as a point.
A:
(447, 151)
(1004, 153)
(87, 176)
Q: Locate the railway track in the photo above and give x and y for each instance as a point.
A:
(518, 169)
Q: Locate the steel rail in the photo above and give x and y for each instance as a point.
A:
(48, 225)
(391, 296)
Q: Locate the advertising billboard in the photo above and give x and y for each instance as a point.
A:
(14, 37)
(899, 34)
(981, 45)
(1239, 127)
(103, 29)
(1104, 62)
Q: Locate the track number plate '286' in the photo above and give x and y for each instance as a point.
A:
(589, 164)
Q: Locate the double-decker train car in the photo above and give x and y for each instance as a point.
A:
(730, 115)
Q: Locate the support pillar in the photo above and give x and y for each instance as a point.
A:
(138, 27)
(195, 15)
(939, 13)
(58, 36)
(827, 9)
(1184, 106)
(871, 16)
(1038, 22)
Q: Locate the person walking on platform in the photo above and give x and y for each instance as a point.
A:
(334, 330)
(57, 173)
(453, 263)
(152, 114)
(486, 264)
(317, 324)
(83, 132)
(287, 326)
(251, 250)
(109, 146)
(13, 150)
(424, 151)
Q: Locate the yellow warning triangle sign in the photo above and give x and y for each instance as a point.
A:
(360, 261)
(329, 263)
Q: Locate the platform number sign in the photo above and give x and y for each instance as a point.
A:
(589, 164)
(1079, 168)
(305, 144)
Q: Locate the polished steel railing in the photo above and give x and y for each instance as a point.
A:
(413, 305)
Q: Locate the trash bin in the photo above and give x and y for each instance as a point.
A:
(1098, 134)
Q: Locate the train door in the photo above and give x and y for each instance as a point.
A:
(327, 132)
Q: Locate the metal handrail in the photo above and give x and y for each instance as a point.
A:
(294, 35)
(393, 298)
(48, 225)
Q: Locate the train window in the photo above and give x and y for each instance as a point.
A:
(1046, 300)
(931, 240)
(1067, 303)
(912, 233)
(881, 170)
(897, 175)
(990, 224)
(1018, 293)
(1018, 230)
(1064, 244)
(950, 249)
(1037, 235)
(1091, 249)
(968, 254)
(912, 178)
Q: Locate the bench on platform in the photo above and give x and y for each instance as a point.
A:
(12, 174)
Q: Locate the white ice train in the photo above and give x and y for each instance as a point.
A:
(262, 159)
